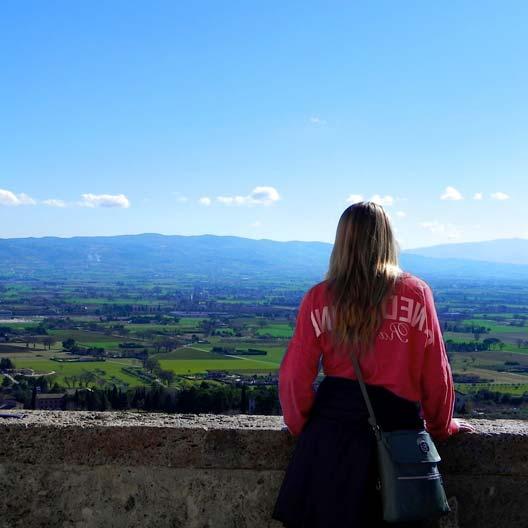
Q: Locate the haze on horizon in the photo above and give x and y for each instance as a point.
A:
(263, 121)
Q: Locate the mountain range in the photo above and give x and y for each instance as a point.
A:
(235, 258)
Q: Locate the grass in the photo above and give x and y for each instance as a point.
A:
(85, 337)
(497, 327)
(200, 359)
(276, 330)
(112, 369)
(195, 366)
(20, 326)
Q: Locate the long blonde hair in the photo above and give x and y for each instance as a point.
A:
(363, 272)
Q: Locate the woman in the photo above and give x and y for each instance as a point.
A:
(366, 306)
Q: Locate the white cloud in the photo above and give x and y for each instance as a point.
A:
(316, 120)
(104, 200)
(259, 196)
(180, 198)
(205, 200)
(449, 230)
(451, 193)
(499, 196)
(256, 223)
(401, 214)
(24, 199)
(52, 202)
(386, 200)
(382, 200)
(354, 198)
(232, 200)
(10, 198)
(478, 196)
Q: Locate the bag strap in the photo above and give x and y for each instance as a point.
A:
(372, 417)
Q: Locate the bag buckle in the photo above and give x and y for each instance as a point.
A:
(377, 430)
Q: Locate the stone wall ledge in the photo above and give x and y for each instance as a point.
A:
(211, 470)
(499, 447)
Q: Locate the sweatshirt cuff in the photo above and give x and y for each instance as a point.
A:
(454, 428)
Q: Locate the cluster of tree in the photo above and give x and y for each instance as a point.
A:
(252, 352)
(470, 378)
(70, 345)
(30, 335)
(467, 329)
(490, 343)
(85, 378)
(98, 352)
(112, 311)
(130, 345)
(500, 397)
(223, 350)
(205, 397)
(152, 365)
(202, 398)
(24, 391)
(165, 343)
(63, 323)
(155, 319)
(6, 363)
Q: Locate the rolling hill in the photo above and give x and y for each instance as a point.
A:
(505, 250)
(233, 258)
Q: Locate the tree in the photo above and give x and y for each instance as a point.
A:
(6, 363)
(208, 326)
(244, 401)
(152, 364)
(69, 344)
(166, 376)
(490, 341)
(48, 341)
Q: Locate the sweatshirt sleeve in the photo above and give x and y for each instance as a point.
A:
(298, 371)
(437, 388)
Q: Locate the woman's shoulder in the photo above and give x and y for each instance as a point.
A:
(321, 288)
(318, 293)
(410, 283)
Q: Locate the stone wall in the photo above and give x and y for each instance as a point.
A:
(123, 469)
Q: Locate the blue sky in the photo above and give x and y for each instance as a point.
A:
(261, 119)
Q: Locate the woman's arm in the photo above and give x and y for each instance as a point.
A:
(438, 394)
(298, 370)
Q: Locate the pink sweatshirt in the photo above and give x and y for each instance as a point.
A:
(408, 357)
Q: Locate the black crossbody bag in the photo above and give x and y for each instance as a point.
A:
(410, 483)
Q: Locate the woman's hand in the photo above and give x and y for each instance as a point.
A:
(464, 426)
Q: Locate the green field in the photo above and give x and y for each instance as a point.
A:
(199, 359)
(276, 330)
(194, 366)
(84, 337)
(111, 369)
(497, 327)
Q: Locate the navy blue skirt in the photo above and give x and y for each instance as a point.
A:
(331, 478)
